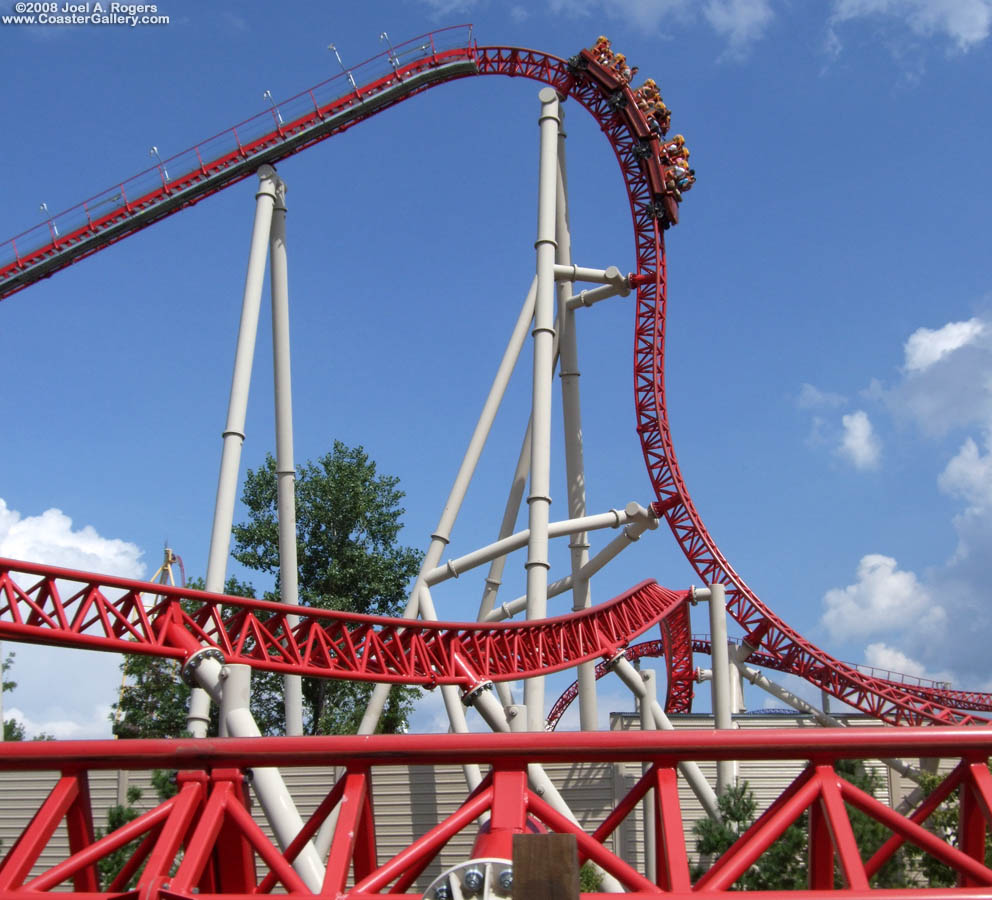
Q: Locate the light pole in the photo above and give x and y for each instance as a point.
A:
(153, 153)
(275, 110)
(333, 48)
(52, 227)
(392, 54)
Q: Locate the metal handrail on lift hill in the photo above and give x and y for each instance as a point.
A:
(186, 178)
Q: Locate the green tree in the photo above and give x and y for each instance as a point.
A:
(943, 822)
(783, 866)
(348, 522)
(117, 816)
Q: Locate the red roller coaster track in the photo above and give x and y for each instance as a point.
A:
(77, 609)
(204, 841)
(890, 701)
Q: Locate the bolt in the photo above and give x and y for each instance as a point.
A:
(474, 880)
(506, 880)
(442, 892)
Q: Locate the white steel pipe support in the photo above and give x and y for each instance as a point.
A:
(539, 497)
(721, 689)
(510, 512)
(566, 272)
(631, 532)
(234, 428)
(453, 568)
(285, 465)
(590, 298)
(575, 478)
(235, 692)
(267, 782)
(690, 771)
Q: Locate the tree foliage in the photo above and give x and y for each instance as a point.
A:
(943, 822)
(12, 729)
(784, 865)
(117, 816)
(348, 521)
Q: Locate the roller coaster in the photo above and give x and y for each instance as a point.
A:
(203, 841)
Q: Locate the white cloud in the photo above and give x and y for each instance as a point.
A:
(927, 346)
(87, 681)
(75, 727)
(880, 655)
(964, 22)
(944, 385)
(811, 397)
(968, 475)
(859, 444)
(50, 538)
(741, 22)
(883, 600)
(947, 378)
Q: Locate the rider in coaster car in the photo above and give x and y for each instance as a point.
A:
(674, 149)
(647, 94)
(624, 72)
(603, 51)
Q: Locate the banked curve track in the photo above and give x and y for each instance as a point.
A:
(893, 702)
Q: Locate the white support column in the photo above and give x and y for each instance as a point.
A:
(235, 693)
(572, 420)
(267, 782)
(539, 498)
(234, 429)
(720, 685)
(644, 705)
(285, 465)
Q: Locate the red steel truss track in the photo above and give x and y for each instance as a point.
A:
(48, 605)
(121, 215)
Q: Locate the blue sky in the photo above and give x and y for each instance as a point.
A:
(830, 333)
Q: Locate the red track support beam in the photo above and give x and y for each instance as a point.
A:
(672, 862)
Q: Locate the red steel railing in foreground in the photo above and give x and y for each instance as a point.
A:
(204, 842)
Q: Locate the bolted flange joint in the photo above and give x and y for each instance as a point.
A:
(188, 671)
(614, 660)
(468, 698)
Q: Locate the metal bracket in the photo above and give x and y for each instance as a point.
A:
(189, 668)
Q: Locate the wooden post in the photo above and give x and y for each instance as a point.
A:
(545, 866)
